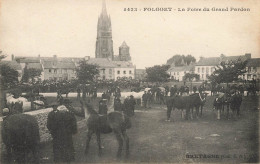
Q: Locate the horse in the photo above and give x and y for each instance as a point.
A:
(20, 134)
(116, 122)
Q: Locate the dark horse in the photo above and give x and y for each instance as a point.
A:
(20, 134)
(116, 122)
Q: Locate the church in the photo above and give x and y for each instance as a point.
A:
(111, 66)
(104, 43)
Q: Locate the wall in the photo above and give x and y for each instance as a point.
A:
(127, 74)
(41, 116)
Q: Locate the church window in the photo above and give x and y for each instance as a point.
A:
(124, 72)
(50, 70)
(130, 72)
(198, 70)
(118, 72)
(55, 71)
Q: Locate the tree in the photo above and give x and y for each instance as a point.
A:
(181, 60)
(9, 76)
(31, 73)
(157, 73)
(2, 56)
(86, 72)
(191, 76)
(189, 59)
(228, 71)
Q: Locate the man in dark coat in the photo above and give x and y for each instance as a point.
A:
(118, 106)
(132, 104)
(62, 125)
(173, 90)
(145, 99)
(102, 107)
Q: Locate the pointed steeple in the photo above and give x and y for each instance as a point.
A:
(124, 44)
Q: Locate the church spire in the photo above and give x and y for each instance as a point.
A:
(104, 9)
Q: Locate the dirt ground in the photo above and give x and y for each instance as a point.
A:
(154, 140)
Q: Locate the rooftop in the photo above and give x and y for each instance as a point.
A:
(254, 62)
(35, 65)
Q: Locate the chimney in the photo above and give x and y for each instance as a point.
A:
(12, 57)
(248, 55)
(87, 58)
(39, 56)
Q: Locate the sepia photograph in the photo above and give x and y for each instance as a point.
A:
(129, 81)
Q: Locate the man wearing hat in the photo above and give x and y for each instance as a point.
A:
(102, 107)
(62, 125)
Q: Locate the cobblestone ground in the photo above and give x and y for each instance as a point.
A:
(154, 140)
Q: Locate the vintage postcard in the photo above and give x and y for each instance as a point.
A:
(129, 81)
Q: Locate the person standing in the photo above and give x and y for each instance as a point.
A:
(118, 106)
(132, 104)
(62, 125)
(145, 99)
(102, 107)
(149, 99)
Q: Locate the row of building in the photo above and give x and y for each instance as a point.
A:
(61, 68)
(206, 66)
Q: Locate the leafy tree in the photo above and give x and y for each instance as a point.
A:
(189, 59)
(191, 76)
(31, 73)
(157, 73)
(228, 71)
(180, 60)
(86, 72)
(8, 76)
(176, 59)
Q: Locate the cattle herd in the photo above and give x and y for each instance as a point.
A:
(20, 132)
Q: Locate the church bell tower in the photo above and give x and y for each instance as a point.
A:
(104, 43)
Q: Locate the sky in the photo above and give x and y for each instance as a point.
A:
(68, 28)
